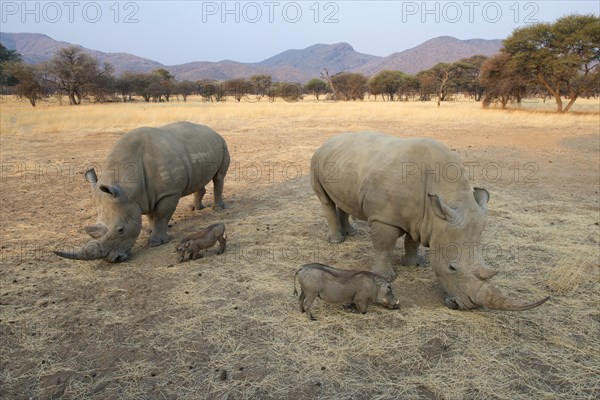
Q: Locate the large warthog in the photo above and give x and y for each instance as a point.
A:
(400, 188)
(192, 245)
(338, 286)
(146, 173)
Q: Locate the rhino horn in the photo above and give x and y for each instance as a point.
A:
(91, 251)
(490, 297)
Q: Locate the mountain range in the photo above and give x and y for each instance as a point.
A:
(294, 65)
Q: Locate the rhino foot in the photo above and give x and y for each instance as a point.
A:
(158, 239)
(197, 207)
(349, 231)
(219, 206)
(335, 238)
(410, 260)
(451, 303)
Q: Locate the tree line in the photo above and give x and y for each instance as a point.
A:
(559, 60)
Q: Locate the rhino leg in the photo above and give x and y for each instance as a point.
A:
(384, 239)
(335, 233)
(218, 183)
(328, 207)
(411, 251)
(198, 196)
(345, 227)
(160, 220)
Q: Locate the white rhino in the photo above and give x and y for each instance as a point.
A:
(146, 173)
(417, 188)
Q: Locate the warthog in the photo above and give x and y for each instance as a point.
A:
(204, 239)
(339, 286)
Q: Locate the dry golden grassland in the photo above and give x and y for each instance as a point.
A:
(228, 326)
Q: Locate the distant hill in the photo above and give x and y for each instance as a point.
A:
(35, 48)
(311, 60)
(426, 55)
(295, 65)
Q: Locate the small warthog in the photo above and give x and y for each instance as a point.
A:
(339, 286)
(192, 245)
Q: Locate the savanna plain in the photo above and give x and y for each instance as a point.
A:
(228, 326)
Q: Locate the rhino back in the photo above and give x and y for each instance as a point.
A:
(177, 158)
(373, 176)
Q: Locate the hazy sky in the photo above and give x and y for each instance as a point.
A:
(175, 32)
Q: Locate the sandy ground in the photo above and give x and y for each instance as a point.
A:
(228, 326)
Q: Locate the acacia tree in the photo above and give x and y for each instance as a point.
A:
(427, 84)
(501, 82)
(164, 86)
(103, 86)
(238, 88)
(317, 87)
(74, 71)
(185, 88)
(28, 81)
(466, 78)
(138, 83)
(387, 83)
(564, 56)
(211, 90)
(124, 85)
(7, 57)
(350, 85)
(261, 84)
(409, 86)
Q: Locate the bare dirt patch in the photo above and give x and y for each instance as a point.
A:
(229, 327)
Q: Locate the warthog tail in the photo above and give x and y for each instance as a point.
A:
(295, 276)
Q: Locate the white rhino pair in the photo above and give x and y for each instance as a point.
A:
(365, 175)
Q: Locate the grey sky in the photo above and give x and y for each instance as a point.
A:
(175, 32)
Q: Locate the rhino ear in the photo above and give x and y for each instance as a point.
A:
(90, 176)
(441, 209)
(114, 190)
(482, 197)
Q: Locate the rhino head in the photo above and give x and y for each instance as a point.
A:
(457, 258)
(117, 228)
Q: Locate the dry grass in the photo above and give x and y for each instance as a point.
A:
(228, 327)
(20, 117)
